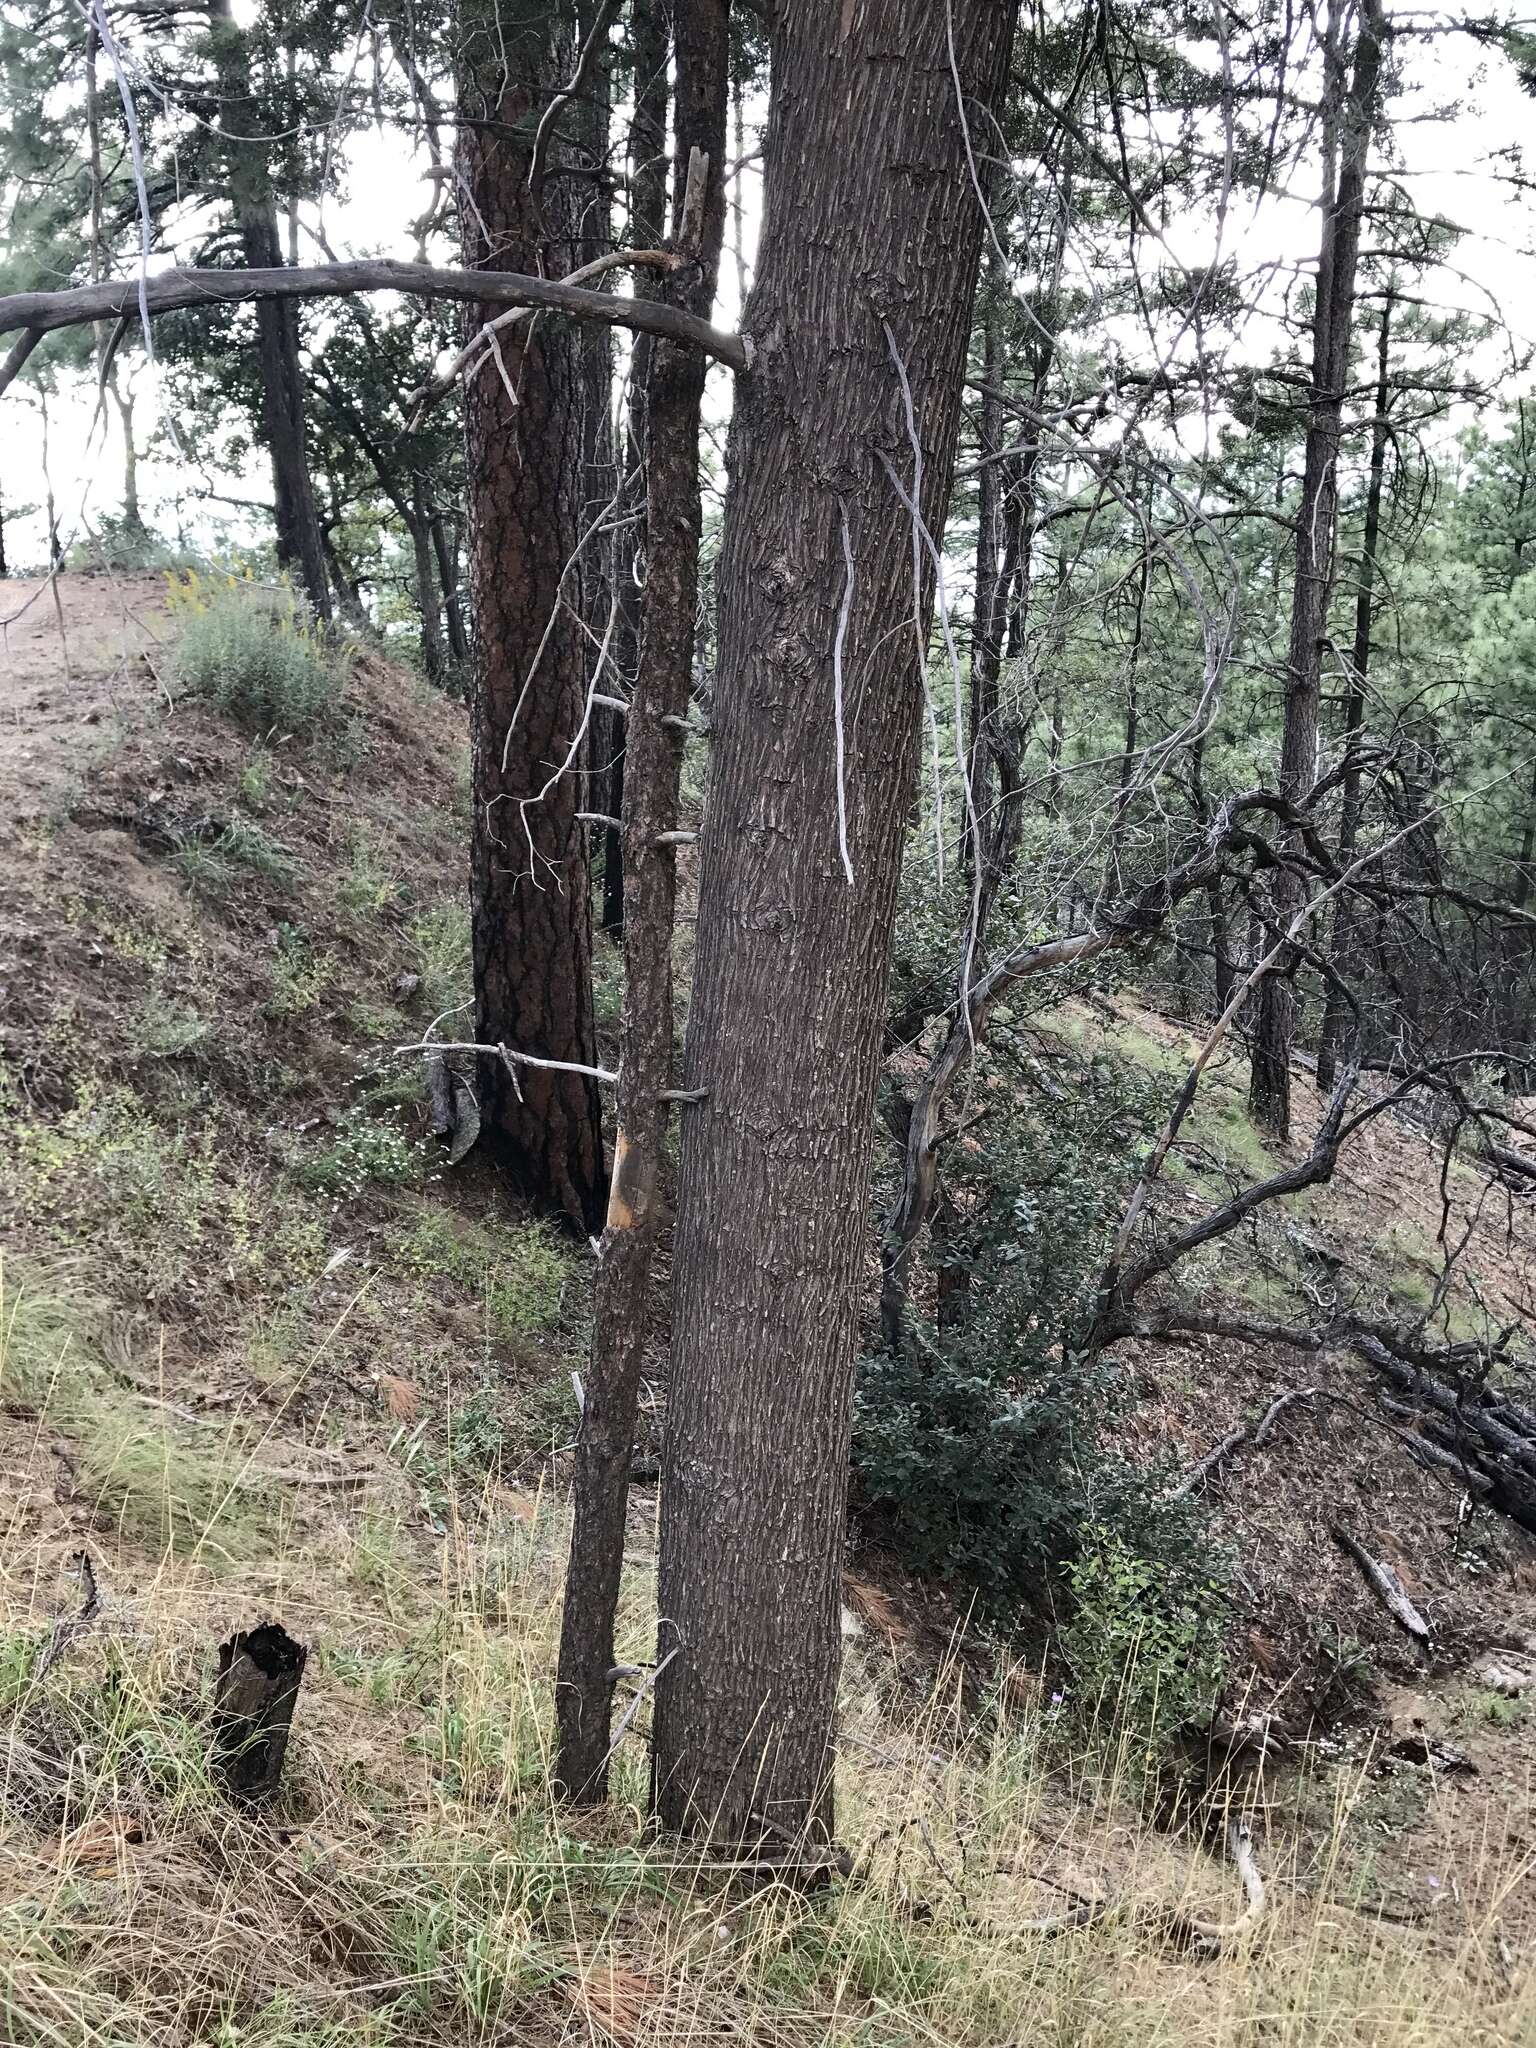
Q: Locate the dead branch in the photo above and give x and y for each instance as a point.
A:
(172, 291)
(1216, 1457)
(68, 1629)
(586, 63)
(431, 1046)
(1385, 1584)
(1209, 1938)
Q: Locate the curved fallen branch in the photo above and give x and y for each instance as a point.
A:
(1216, 1457)
(1210, 1938)
(170, 291)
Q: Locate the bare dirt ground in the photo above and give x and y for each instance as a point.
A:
(80, 659)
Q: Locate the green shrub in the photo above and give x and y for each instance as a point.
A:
(1145, 1641)
(253, 653)
(977, 1449)
(367, 1149)
(163, 1030)
(300, 975)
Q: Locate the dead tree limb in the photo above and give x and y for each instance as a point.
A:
(68, 1629)
(1218, 1455)
(1385, 1584)
(170, 291)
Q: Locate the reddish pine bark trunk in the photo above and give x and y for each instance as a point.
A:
(529, 893)
(871, 236)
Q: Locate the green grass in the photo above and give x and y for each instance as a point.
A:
(214, 867)
(518, 1270)
(253, 654)
(440, 941)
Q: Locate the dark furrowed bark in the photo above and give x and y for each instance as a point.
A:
(649, 39)
(674, 520)
(865, 150)
(529, 898)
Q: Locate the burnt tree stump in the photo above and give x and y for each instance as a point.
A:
(260, 1670)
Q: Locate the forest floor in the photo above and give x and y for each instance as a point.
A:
(261, 1357)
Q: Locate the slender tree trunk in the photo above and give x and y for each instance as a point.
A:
(865, 151)
(590, 123)
(1269, 1096)
(649, 40)
(1336, 1012)
(1112, 875)
(658, 708)
(242, 125)
(1223, 970)
(529, 891)
(433, 657)
(448, 578)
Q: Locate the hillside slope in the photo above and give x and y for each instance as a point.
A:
(262, 1357)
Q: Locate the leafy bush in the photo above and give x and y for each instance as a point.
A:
(253, 653)
(978, 1446)
(1146, 1638)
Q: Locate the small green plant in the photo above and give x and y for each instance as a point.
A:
(1145, 1641)
(440, 938)
(163, 1030)
(519, 1271)
(367, 1150)
(300, 975)
(367, 887)
(253, 784)
(212, 867)
(253, 653)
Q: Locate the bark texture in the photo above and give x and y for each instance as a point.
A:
(1336, 1015)
(649, 45)
(243, 123)
(674, 521)
(865, 152)
(1269, 1096)
(529, 895)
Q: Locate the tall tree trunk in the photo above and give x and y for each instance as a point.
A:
(1269, 1095)
(248, 168)
(865, 151)
(1336, 1012)
(529, 891)
(590, 124)
(658, 708)
(647, 224)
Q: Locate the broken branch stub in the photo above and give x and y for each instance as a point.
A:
(260, 1671)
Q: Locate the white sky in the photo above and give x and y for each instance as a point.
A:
(1449, 167)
